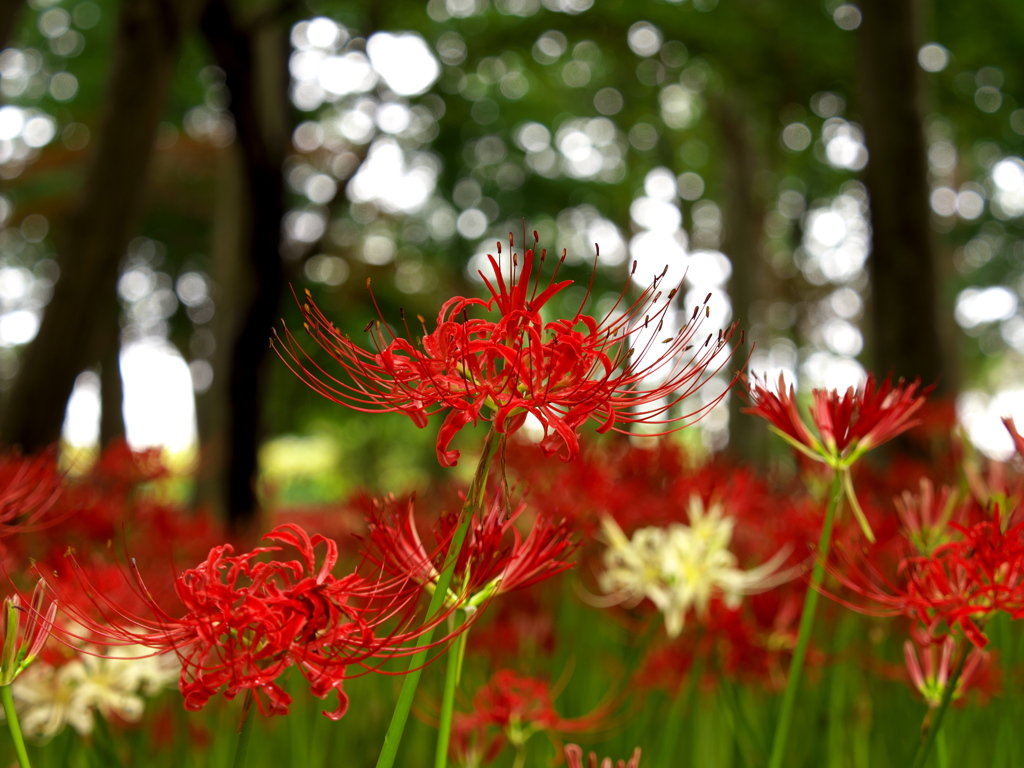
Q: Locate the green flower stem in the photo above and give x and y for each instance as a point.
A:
(941, 750)
(749, 748)
(682, 706)
(451, 682)
(932, 725)
(244, 731)
(796, 667)
(14, 726)
(474, 500)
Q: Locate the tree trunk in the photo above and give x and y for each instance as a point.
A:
(744, 229)
(102, 221)
(905, 336)
(254, 61)
(108, 354)
(9, 11)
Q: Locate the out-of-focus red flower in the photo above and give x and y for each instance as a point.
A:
(518, 706)
(1018, 439)
(958, 587)
(503, 368)
(246, 620)
(993, 483)
(931, 681)
(847, 425)
(25, 632)
(521, 625)
(926, 515)
(121, 467)
(495, 557)
(574, 759)
(751, 644)
(29, 488)
(102, 510)
(867, 417)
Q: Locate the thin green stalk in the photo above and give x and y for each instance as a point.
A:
(749, 746)
(14, 726)
(785, 721)
(941, 750)
(244, 731)
(682, 705)
(393, 737)
(451, 682)
(933, 720)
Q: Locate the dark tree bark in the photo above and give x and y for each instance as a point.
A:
(102, 220)
(108, 355)
(256, 78)
(9, 11)
(742, 242)
(905, 336)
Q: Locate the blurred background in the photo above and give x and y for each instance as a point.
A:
(846, 179)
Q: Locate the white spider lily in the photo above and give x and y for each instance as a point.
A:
(683, 566)
(50, 698)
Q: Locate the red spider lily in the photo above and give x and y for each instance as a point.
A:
(563, 371)
(494, 559)
(574, 759)
(866, 418)
(932, 680)
(29, 487)
(958, 587)
(23, 640)
(926, 516)
(518, 706)
(246, 620)
(847, 425)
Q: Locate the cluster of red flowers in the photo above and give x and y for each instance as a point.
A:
(510, 708)
(240, 620)
(958, 586)
(494, 559)
(562, 372)
(246, 619)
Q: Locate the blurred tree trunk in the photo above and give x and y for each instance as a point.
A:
(254, 59)
(101, 222)
(9, 11)
(905, 336)
(108, 354)
(742, 241)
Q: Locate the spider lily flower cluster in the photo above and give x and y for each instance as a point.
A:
(682, 567)
(513, 363)
(246, 620)
(517, 706)
(494, 559)
(957, 588)
(845, 426)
